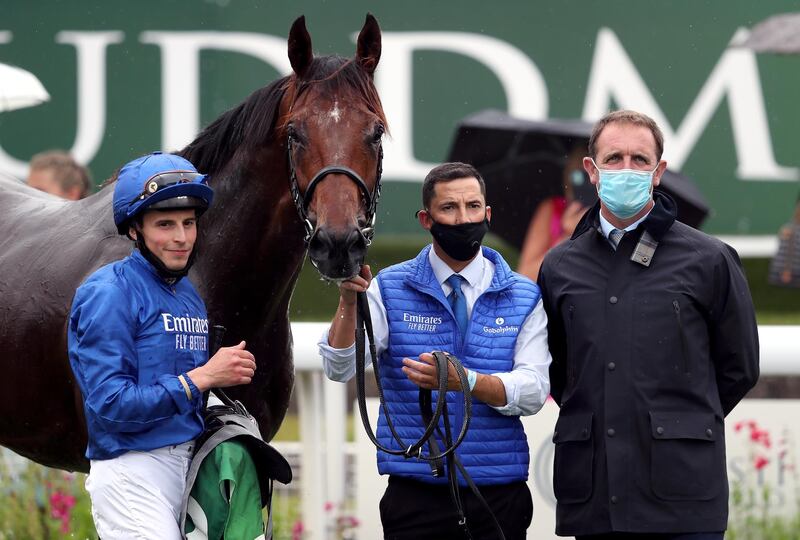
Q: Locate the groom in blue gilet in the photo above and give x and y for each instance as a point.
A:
(458, 297)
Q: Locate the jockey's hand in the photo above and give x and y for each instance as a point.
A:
(231, 366)
(359, 283)
(425, 373)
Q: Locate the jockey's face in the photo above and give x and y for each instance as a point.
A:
(169, 235)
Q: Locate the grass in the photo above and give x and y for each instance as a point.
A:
(316, 300)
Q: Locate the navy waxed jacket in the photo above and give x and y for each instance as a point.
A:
(651, 348)
(130, 335)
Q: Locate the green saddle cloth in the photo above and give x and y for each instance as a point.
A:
(225, 501)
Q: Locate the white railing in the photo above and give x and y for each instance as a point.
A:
(323, 409)
(330, 470)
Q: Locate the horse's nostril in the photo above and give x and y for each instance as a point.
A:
(355, 241)
(320, 245)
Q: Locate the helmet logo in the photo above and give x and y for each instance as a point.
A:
(152, 187)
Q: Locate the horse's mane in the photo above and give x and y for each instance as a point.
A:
(255, 121)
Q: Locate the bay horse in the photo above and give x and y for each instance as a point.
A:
(296, 164)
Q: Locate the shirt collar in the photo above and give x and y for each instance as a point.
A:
(606, 227)
(472, 272)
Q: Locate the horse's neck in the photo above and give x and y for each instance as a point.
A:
(250, 250)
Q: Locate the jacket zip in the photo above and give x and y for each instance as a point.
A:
(570, 352)
(677, 308)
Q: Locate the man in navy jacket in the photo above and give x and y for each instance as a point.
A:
(654, 341)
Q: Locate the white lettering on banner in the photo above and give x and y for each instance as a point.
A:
(180, 73)
(521, 80)
(614, 78)
(90, 48)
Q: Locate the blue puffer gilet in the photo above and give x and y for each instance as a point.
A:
(495, 450)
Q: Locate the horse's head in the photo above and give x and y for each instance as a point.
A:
(334, 123)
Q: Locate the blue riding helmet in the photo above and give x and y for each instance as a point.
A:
(158, 181)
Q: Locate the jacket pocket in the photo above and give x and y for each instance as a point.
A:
(574, 454)
(688, 457)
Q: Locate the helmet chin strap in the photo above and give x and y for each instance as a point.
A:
(170, 276)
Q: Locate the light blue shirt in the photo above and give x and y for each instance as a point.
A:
(606, 227)
(527, 385)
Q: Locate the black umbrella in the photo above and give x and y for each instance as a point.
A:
(524, 162)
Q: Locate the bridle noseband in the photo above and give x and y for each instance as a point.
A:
(301, 202)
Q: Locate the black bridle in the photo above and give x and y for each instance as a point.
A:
(301, 202)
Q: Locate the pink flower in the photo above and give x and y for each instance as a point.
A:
(328, 506)
(347, 522)
(760, 462)
(760, 436)
(60, 508)
(297, 530)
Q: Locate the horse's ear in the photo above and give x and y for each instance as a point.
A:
(368, 50)
(300, 52)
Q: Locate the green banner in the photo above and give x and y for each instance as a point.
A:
(125, 78)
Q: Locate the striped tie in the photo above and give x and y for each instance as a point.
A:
(615, 236)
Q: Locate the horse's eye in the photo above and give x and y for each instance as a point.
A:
(377, 135)
(291, 133)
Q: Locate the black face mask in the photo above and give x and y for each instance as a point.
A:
(461, 242)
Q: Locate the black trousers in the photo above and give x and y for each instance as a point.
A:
(412, 510)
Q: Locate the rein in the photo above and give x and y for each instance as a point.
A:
(301, 201)
(364, 333)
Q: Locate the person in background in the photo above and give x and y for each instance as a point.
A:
(459, 297)
(654, 341)
(554, 218)
(57, 173)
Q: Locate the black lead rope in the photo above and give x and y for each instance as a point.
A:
(364, 326)
(429, 416)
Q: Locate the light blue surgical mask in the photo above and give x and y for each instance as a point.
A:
(625, 191)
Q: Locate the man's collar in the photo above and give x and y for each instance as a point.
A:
(657, 222)
(472, 272)
(606, 227)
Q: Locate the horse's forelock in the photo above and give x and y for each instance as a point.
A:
(328, 74)
(255, 121)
